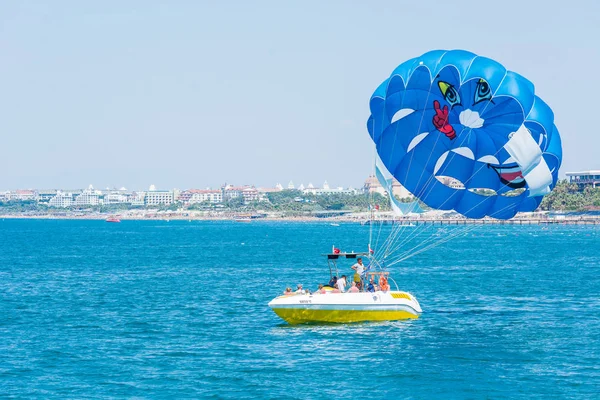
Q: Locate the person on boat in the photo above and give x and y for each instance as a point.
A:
(300, 290)
(288, 291)
(383, 283)
(353, 288)
(321, 289)
(359, 269)
(332, 282)
(341, 284)
(371, 285)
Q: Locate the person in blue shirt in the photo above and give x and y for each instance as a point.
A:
(332, 282)
(371, 285)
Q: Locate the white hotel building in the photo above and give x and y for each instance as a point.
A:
(585, 178)
(61, 200)
(196, 196)
(327, 190)
(159, 197)
(89, 197)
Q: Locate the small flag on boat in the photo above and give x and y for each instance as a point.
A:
(377, 206)
(336, 250)
(370, 249)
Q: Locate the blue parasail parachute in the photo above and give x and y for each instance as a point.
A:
(463, 133)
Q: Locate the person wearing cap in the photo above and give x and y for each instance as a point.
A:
(300, 290)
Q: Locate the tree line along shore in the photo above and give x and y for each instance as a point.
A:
(292, 205)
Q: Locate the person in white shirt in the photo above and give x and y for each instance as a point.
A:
(359, 269)
(341, 284)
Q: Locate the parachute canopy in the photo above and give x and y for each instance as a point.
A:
(463, 133)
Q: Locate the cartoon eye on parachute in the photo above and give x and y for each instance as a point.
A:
(463, 133)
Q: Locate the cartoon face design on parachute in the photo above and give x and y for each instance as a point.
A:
(451, 125)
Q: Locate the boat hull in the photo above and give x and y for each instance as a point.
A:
(346, 307)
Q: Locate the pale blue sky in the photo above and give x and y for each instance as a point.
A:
(193, 94)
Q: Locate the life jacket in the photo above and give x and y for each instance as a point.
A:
(383, 284)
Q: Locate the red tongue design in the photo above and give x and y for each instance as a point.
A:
(510, 176)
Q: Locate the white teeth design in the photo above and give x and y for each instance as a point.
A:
(489, 160)
(401, 114)
(470, 119)
(416, 140)
(465, 152)
(440, 162)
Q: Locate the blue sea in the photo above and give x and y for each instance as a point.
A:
(157, 309)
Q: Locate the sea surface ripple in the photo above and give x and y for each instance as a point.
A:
(157, 309)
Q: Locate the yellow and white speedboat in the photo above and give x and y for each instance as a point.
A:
(332, 307)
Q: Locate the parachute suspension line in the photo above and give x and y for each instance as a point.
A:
(420, 238)
(415, 233)
(470, 131)
(372, 212)
(370, 195)
(397, 233)
(428, 186)
(430, 178)
(418, 131)
(482, 165)
(378, 234)
(414, 93)
(394, 244)
(432, 244)
(427, 183)
(411, 157)
(442, 241)
(432, 240)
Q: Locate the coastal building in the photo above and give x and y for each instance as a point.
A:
(137, 199)
(231, 192)
(61, 200)
(186, 195)
(248, 193)
(116, 197)
(372, 185)
(89, 197)
(263, 193)
(18, 195)
(196, 196)
(327, 190)
(585, 178)
(24, 195)
(44, 196)
(154, 197)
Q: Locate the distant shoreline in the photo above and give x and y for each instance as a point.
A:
(520, 220)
